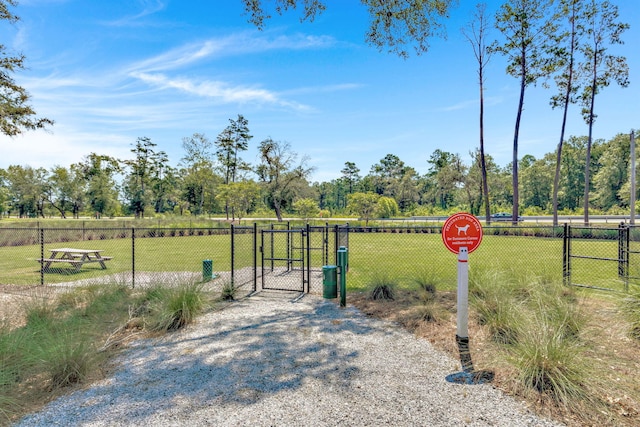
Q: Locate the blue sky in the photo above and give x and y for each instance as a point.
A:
(109, 72)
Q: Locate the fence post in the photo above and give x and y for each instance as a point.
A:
(133, 257)
(566, 266)
(623, 254)
(42, 257)
(255, 257)
(233, 260)
(308, 270)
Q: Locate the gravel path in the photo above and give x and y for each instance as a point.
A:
(271, 360)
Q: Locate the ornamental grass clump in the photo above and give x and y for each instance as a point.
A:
(548, 362)
(178, 307)
(229, 291)
(383, 287)
(497, 304)
(630, 307)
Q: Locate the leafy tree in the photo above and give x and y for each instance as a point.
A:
(522, 23)
(144, 169)
(611, 181)
(306, 208)
(28, 188)
(230, 141)
(350, 175)
(98, 172)
(536, 173)
(16, 115)
(476, 34)
(233, 139)
(386, 173)
(363, 204)
(386, 207)
(61, 190)
(198, 170)
(239, 196)
(278, 172)
(405, 189)
(445, 174)
(602, 30)
(572, 181)
(394, 24)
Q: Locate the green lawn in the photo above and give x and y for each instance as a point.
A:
(400, 255)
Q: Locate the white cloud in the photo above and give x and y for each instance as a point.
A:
(221, 91)
(149, 7)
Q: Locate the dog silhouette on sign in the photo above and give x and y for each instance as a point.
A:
(462, 229)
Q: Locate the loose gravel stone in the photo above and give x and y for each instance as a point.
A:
(271, 360)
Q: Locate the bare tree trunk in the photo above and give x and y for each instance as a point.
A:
(587, 166)
(516, 194)
(483, 163)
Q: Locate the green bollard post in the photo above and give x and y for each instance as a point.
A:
(329, 281)
(342, 263)
(207, 270)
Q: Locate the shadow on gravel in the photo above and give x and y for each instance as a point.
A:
(236, 356)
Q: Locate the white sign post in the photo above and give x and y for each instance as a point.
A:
(463, 293)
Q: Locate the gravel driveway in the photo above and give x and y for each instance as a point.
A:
(271, 360)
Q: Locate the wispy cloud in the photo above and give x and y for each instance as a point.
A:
(235, 44)
(221, 91)
(488, 101)
(149, 7)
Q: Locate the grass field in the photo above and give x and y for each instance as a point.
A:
(401, 255)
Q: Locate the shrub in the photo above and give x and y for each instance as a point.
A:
(66, 358)
(229, 291)
(383, 287)
(178, 307)
(549, 363)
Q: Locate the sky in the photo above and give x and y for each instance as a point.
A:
(109, 72)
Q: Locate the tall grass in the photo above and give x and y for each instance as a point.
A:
(175, 307)
(537, 323)
(631, 309)
(383, 286)
(58, 344)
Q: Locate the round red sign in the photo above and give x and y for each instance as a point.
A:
(462, 230)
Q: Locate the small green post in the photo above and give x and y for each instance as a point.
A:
(342, 263)
(207, 270)
(329, 281)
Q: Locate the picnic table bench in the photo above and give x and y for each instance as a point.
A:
(75, 257)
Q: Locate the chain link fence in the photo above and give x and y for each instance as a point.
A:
(285, 257)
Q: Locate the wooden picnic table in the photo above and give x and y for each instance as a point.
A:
(75, 257)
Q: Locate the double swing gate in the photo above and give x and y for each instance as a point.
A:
(601, 258)
(286, 258)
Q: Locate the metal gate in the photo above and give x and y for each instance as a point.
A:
(599, 258)
(292, 259)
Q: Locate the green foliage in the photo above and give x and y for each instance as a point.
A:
(363, 204)
(548, 361)
(630, 307)
(229, 291)
(383, 287)
(177, 307)
(538, 323)
(387, 207)
(306, 208)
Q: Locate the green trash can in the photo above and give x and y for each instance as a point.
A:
(330, 281)
(207, 270)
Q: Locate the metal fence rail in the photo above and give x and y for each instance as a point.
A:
(602, 257)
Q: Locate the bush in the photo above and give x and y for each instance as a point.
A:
(229, 291)
(548, 362)
(383, 287)
(178, 307)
